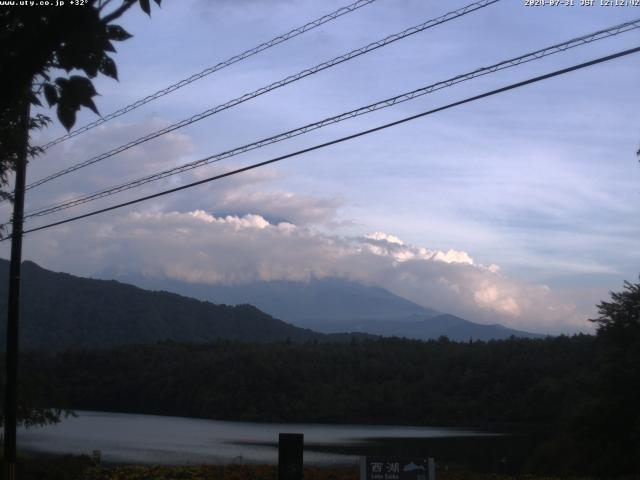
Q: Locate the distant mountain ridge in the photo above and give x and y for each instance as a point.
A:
(443, 325)
(332, 305)
(329, 298)
(62, 311)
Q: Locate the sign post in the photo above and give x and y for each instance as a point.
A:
(290, 447)
(390, 468)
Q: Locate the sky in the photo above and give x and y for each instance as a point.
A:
(520, 209)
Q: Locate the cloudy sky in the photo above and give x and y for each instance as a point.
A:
(520, 209)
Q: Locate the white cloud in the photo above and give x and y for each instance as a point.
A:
(198, 246)
(389, 245)
(251, 192)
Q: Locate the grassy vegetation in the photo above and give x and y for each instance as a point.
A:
(50, 467)
(262, 472)
(207, 472)
(34, 467)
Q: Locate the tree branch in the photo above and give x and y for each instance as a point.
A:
(103, 4)
(117, 13)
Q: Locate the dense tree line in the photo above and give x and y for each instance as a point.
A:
(565, 393)
(501, 384)
(537, 387)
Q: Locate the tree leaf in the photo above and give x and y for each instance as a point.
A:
(82, 86)
(62, 82)
(39, 122)
(91, 65)
(144, 5)
(108, 67)
(75, 91)
(66, 115)
(35, 100)
(51, 94)
(88, 102)
(117, 33)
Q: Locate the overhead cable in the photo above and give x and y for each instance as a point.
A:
(532, 56)
(208, 71)
(340, 140)
(261, 91)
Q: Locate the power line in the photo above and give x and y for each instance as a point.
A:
(261, 91)
(343, 139)
(208, 71)
(532, 56)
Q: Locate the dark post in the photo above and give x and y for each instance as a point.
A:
(290, 447)
(13, 304)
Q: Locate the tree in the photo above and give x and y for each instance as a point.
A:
(35, 42)
(615, 423)
(619, 319)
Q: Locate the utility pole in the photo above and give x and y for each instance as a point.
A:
(13, 310)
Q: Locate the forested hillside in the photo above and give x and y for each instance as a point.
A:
(63, 311)
(501, 384)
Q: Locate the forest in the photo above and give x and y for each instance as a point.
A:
(557, 391)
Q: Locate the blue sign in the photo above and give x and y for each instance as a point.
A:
(379, 468)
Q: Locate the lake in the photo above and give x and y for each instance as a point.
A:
(129, 438)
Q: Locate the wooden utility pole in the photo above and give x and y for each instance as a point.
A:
(13, 310)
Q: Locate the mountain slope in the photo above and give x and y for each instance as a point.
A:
(332, 305)
(332, 299)
(455, 328)
(63, 311)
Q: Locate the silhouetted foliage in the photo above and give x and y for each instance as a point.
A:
(615, 420)
(497, 384)
(37, 44)
(601, 435)
(621, 316)
(517, 385)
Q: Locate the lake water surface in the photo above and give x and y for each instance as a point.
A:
(127, 438)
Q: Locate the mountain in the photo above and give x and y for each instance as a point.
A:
(61, 311)
(332, 299)
(421, 328)
(332, 305)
